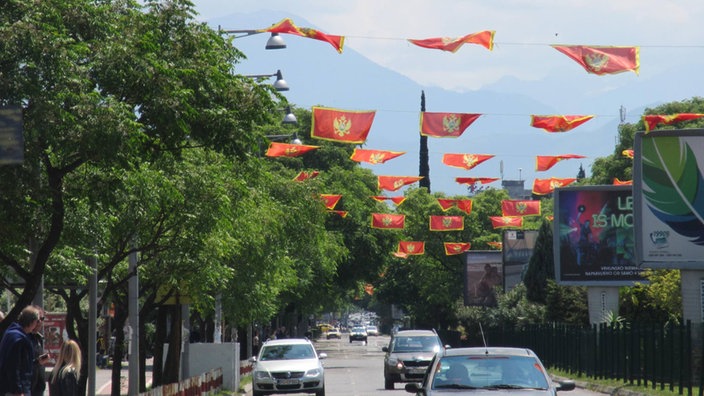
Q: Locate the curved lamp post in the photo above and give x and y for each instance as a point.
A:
(280, 84)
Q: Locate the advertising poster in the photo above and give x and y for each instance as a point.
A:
(668, 192)
(517, 248)
(11, 140)
(594, 237)
(483, 273)
(54, 329)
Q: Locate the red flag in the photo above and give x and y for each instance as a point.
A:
(627, 153)
(603, 59)
(393, 183)
(475, 180)
(558, 123)
(287, 26)
(341, 125)
(446, 204)
(330, 200)
(411, 247)
(496, 245)
(388, 221)
(452, 248)
(484, 38)
(445, 124)
(446, 223)
(618, 182)
(545, 162)
(396, 200)
(465, 161)
(374, 156)
(546, 186)
(520, 208)
(651, 121)
(288, 150)
(305, 175)
(341, 213)
(464, 205)
(506, 221)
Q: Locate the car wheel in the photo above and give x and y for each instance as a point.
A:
(321, 392)
(388, 384)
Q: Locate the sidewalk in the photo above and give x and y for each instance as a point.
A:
(103, 380)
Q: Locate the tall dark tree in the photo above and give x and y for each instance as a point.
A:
(541, 266)
(423, 161)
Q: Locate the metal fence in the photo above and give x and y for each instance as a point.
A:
(644, 355)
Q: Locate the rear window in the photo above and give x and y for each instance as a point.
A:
(415, 344)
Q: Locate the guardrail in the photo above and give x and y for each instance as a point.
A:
(205, 384)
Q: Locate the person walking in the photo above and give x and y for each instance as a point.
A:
(63, 380)
(17, 353)
(39, 370)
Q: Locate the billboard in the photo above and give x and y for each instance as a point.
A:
(483, 272)
(668, 194)
(517, 248)
(593, 236)
(11, 140)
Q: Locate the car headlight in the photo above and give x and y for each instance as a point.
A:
(262, 375)
(314, 372)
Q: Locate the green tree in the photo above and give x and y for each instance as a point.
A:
(541, 266)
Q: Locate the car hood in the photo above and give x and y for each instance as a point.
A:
(500, 392)
(412, 355)
(288, 365)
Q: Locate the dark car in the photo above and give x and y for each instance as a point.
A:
(497, 370)
(358, 333)
(408, 356)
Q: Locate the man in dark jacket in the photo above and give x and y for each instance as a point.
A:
(17, 353)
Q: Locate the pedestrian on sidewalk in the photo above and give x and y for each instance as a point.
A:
(67, 371)
(17, 353)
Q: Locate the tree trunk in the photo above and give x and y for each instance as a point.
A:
(172, 368)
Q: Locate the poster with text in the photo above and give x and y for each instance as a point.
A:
(54, 332)
(593, 236)
(668, 192)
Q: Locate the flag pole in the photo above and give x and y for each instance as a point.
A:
(424, 165)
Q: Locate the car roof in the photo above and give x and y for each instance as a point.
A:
(414, 333)
(490, 351)
(288, 341)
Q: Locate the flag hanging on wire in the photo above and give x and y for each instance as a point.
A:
(558, 123)
(442, 125)
(464, 205)
(411, 248)
(465, 161)
(374, 156)
(475, 180)
(446, 223)
(398, 200)
(517, 207)
(287, 26)
(495, 245)
(341, 213)
(651, 121)
(545, 162)
(602, 60)
(330, 200)
(341, 125)
(288, 150)
(305, 175)
(452, 248)
(452, 44)
(546, 186)
(388, 221)
(506, 221)
(393, 183)
(627, 153)
(618, 182)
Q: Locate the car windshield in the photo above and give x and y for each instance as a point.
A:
(359, 330)
(287, 352)
(415, 344)
(489, 372)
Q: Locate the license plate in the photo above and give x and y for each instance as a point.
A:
(287, 382)
(417, 370)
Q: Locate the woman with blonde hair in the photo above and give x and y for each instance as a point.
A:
(67, 371)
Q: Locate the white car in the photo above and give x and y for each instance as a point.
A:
(372, 331)
(288, 365)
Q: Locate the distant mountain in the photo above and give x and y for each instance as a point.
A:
(318, 75)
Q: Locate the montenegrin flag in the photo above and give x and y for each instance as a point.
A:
(545, 162)
(520, 207)
(341, 213)
(409, 248)
(330, 200)
(446, 223)
(651, 121)
(464, 205)
(288, 150)
(506, 221)
(465, 161)
(443, 125)
(393, 183)
(618, 182)
(398, 200)
(305, 175)
(603, 59)
(546, 186)
(496, 245)
(452, 248)
(374, 156)
(452, 44)
(558, 123)
(627, 153)
(388, 221)
(287, 26)
(475, 180)
(341, 125)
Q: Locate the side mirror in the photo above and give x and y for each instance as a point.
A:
(566, 385)
(414, 387)
(322, 355)
(253, 359)
(384, 349)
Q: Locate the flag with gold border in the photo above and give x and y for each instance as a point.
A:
(374, 156)
(545, 162)
(484, 38)
(618, 182)
(446, 223)
(652, 121)
(288, 27)
(393, 183)
(346, 126)
(410, 248)
(464, 205)
(388, 221)
(517, 207)
(547, 186)
(602, 60)
(558, 123)
(305, 175)
(277, 149)
(506, 221)
(628, 153)
(495, 244)
(330, 200)
(445, 125)
(453, 248)
(475, 180)
(341, 213)
(398, 200)
(465, 161)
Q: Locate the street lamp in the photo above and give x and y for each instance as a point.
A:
(274, 42)
(289, 118)
(280, 84)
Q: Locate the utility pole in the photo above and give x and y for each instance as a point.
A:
(424, 165)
